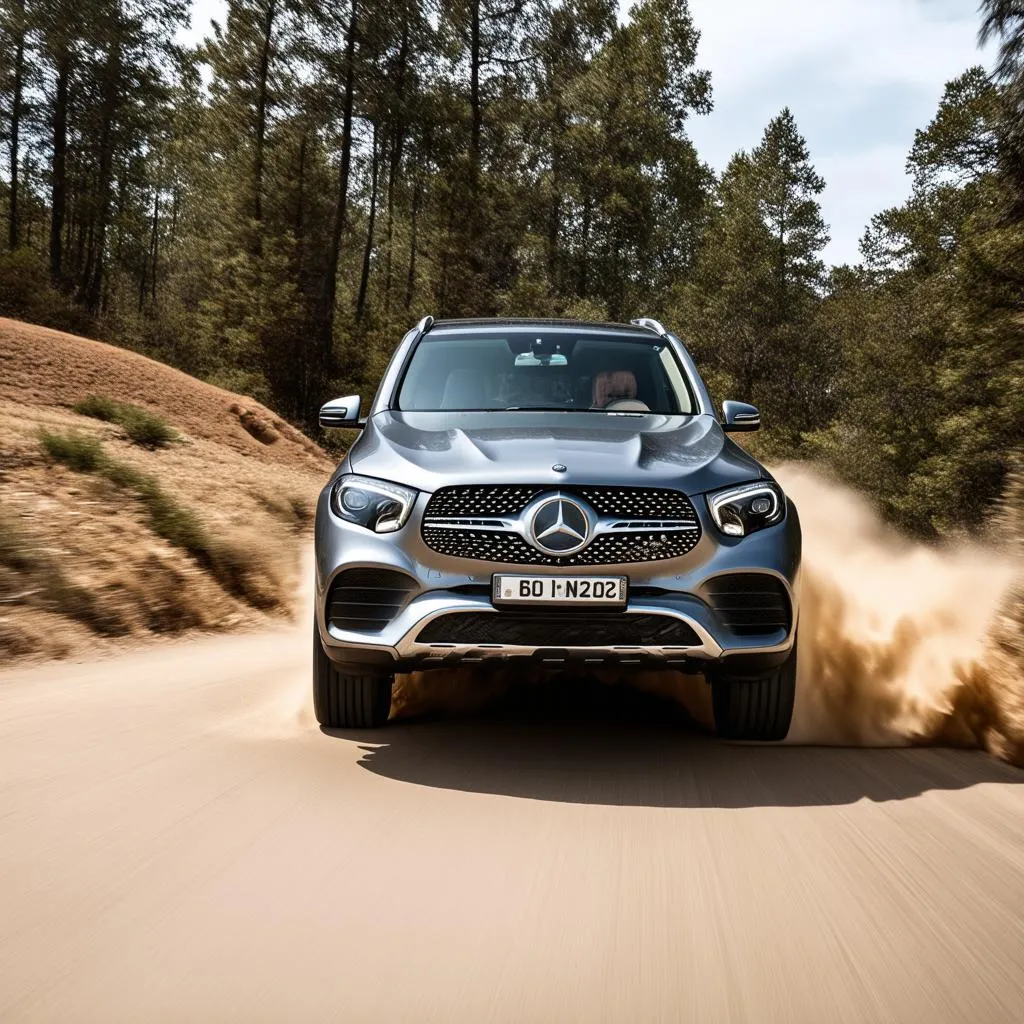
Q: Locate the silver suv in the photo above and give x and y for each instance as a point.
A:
(557, 492)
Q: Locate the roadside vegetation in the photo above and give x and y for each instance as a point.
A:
(294, 511)
(240, 570)
(142, 427)
(30, 575)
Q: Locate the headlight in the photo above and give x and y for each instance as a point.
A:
(376, 504)
(742, 510)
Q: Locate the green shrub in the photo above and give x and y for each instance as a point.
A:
(35, 578)
(99, 407)
(171, 520)
(128, 478)
(27, 294)
(143, 427)
(239, 570)
(77, 451)
(148, 430)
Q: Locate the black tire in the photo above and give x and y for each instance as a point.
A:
(343, 699)
(756, 709)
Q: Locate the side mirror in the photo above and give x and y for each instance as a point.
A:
(340, 412)
(738, 416)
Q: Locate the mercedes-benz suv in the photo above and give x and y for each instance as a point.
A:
(559, 493)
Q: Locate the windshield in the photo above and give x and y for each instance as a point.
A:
(557, 371)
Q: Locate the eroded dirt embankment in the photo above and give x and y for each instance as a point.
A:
(119, 540)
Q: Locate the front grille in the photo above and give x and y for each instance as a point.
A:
(559, 630)
(638, 502)
(649, 513)
(608, 549)
(750, 603)
(366, 600)
(501, 500)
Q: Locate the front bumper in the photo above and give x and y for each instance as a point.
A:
(674, 588)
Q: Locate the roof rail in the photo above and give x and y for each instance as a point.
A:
(424, 325)
(651, 325)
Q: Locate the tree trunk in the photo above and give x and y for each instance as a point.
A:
(148, 275)
(262, 104)
(395, 163)
(58, 190)
(476, 59)
(555, 209)
(92, 281)
(583, 274)
(14, 232)
(417, 199)
(476, 113)
(324, 316)
(368, 249)
(300, 203)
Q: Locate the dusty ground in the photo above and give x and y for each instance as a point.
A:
(251, 478)
(179, 842)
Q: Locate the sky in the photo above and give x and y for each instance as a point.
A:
(859, 75)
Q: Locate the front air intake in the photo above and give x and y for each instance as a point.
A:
(366, 600)
(750, 603)
(559, 630)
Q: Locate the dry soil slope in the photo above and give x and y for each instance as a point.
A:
(251, 479)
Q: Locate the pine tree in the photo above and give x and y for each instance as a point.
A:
(758, 283)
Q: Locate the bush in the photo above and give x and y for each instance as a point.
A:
(171, 520)
(77, 451)
(143, 428)
(148, 430)
(99, 407)
(27, 294)
(239, 569)
(36, 579)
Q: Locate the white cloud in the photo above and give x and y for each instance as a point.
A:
(859, 75)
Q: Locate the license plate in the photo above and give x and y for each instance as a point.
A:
(607, 591)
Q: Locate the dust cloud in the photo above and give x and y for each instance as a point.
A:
(896, 638)
(900, 643)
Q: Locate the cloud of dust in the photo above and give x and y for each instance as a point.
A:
(896, 643)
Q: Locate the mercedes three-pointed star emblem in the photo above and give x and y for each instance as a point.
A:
(559, 526)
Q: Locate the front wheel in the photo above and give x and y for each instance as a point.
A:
(348, 698)
(759, 708)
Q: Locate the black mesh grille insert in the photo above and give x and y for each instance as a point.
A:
(481, 501)
(638, 502)
(608, 549)
(559, 630)
(366, 600)
(750, 604)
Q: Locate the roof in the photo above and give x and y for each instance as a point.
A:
(527, 322)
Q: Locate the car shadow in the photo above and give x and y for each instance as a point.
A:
(616, 746)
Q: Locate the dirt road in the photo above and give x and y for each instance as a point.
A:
(178, 842)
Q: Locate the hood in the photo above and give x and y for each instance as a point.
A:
(428, 450)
